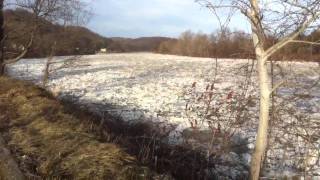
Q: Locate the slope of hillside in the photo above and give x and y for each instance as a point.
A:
(71, 40)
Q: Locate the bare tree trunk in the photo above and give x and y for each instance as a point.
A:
(262, 136)
(46, 72)
(2, 65)
(47, 67)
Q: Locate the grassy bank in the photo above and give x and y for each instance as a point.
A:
(48, 140)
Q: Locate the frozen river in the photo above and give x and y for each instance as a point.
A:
(157, 88)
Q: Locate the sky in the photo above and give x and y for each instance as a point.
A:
(141, 18)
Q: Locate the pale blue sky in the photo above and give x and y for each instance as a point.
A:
(138, 18)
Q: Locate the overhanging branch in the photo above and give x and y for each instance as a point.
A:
(24, 52)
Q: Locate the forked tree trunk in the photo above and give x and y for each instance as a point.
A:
(264, 87)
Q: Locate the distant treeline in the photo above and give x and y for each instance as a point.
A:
(236, 45)
(143, 44)
(76, 40)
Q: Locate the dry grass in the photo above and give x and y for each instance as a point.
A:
(57, 139)
(49, 141)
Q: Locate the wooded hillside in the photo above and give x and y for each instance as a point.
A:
(71, 40)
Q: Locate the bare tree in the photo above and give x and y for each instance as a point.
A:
(284, 19)
(59, 11)
(47, 66)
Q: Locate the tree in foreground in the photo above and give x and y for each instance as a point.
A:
(284, 19)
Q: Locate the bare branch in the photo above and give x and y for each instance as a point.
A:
(277, 86)
(305, 42)
(292, 36)
(23, 53)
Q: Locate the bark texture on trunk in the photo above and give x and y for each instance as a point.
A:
(264, 87)
(262, 136)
